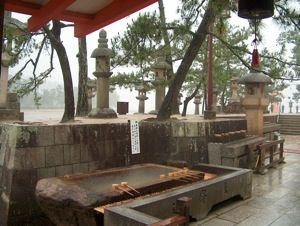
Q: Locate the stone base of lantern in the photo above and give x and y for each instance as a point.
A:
(209, 114)
(11, 109)
(153, 112)
(102, 113)
(234, 108)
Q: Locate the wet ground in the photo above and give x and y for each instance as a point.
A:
(275, 200)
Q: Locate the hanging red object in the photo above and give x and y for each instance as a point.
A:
(255, 58)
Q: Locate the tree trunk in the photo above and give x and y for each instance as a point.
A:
(82, 101)
(189, 98)
(167, 47)
(214, 8)
(54, 37)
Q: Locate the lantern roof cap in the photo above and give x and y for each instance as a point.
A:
(255, 77)
(141, 87)
(161, 63)
(235, 78)
(102, 50)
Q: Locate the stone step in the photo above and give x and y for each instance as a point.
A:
(290, 120)
(289, 132)
(290, 124)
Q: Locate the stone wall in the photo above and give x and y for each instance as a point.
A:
(31, 152)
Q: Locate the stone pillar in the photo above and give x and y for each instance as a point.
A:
(160, 68)
(4, 79)
(291, 106)
(255, 101)
(197, 102)
(282, 108)
(141, 97)
(102, 55)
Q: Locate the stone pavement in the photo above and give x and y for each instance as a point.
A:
(275, 197)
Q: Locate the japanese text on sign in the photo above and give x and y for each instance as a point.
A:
(135, 137)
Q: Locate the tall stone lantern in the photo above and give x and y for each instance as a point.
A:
(255, 101)
(142, 92)
(197, 102)
(102, 55)
(160, 68)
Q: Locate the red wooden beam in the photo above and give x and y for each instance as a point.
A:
(47, 13)
(111, 13)
(74, 17)
(21, 7)
(32, 8)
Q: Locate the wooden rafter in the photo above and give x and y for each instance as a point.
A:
(84, 23)
(32, 8)
(48, 11)
(111, 13)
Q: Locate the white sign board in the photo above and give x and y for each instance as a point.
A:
(135, 137)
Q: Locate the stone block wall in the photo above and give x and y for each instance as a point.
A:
(32, 152)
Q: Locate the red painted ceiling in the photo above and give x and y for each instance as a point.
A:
(87, 15)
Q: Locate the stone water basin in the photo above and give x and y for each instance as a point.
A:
(72, 200)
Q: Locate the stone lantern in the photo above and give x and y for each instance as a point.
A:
(142, 92)
(160, 68)
(234, 103)
(255, 101)
(197, 102)
(234, 90)
(102, 55)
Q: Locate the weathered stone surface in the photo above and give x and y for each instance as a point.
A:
(81, 168)
(73, 195)
(45, 136)
(45, 172)
(28, 158)
(63, 134)
(71, 154)
(84, 153)
(54, 155)
(63, 170)
(93, 166)
(191, 129)
(26, 136)
(178, 129)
